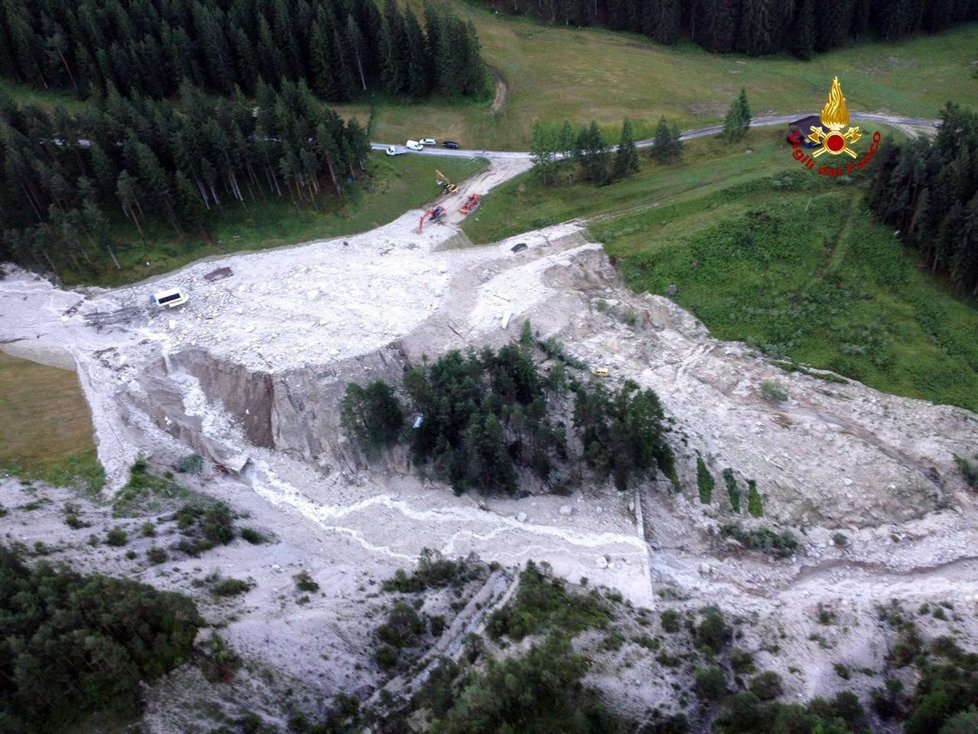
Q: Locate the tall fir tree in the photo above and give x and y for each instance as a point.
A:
(664, 149)
(737, 122)
(626, 157)
(803, 38)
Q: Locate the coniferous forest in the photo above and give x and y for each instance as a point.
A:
(195, 106)
(174, 160)
(342, 48)
(753, 27)
(928, 191)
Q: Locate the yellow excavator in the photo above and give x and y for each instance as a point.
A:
(445, 182)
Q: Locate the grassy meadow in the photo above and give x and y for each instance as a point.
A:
(45, 425)
(556, 73)
(766, 252)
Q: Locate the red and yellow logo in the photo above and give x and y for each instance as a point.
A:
(834, 137)
(835, 116)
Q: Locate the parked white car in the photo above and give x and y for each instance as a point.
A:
(428, 141)
(394, 150)
(413, 145)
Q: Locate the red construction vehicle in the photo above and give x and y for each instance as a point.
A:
(471, 204)
(435, 215)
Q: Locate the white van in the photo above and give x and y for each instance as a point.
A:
(170, 298)
(413, 145)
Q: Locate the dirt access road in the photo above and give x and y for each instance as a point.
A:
(911, 125)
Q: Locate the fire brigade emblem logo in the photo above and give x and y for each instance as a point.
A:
(835, 116)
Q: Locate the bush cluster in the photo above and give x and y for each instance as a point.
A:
(543, 602)
(765, 540)
(434, 572)
(75, 644)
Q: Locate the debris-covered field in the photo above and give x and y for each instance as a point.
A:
(248, 375)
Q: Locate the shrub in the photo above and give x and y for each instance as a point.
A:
(712, 633)
(192, 464)
(253, 536)
(704, 480)
(765, 540)
(386, 657)
(220, 662)
(741, 661)
(117, 537)
(710, 683)
(542, 602)
(148, 530)
(403, 626)
(840, 540)
(825, 615)
(969, 472)
(773, 392)
(304, 582)
(755, 505)
(670, 620)
(156, 555)
(766, 686)
(437, 624)
(434, 572)
(733, 491)
(230, 587)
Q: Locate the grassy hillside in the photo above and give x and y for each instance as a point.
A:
(555, 73)
(398, 184)
(766, 252)
(45, 425)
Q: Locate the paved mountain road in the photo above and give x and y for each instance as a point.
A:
(701, 132)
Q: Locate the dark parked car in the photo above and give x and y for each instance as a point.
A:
(450, 144)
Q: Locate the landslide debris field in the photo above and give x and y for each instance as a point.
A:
(249, 375)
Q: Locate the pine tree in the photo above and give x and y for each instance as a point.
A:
(592, 154)
(662, 20)
(662, 150)
(803, 44)
(737, 122)
(626, 158)
(358, 142)
(433, 21)
(128, 195)
(416, 82)
(543, 148)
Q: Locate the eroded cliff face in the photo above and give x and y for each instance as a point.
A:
(295, 411)
(305, 404)
(246, 395)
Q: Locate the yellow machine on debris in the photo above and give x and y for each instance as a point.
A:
(446, 184)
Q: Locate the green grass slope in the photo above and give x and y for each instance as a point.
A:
(766, 252)
(555, 73)
(45, 425)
